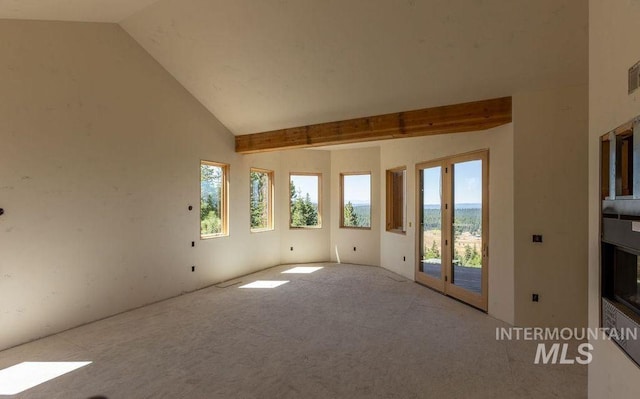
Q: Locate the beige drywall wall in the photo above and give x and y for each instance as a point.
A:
(613, 49)
(99, 160)
(309, 244)
(409, 152)
(550, 165)
(344, 240)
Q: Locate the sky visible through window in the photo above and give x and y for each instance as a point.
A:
(357, 189)
(468, 184)
(432, 191)
(306, 184)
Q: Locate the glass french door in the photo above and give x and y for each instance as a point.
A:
(452, 230)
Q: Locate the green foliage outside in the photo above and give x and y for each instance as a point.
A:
(432, 219)
(470, 257)
(210, 199)
(432, 252)
(304, 213)
(259, 202)
(466, 220)
(357, 215)
(363, 213)
(350, 217)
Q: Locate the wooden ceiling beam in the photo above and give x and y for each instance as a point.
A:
(466, 117)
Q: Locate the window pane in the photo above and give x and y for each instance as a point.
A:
(260, 199)
(212, 193)
(431, 220)
(467, 225)
(305, 201)
(356, 200)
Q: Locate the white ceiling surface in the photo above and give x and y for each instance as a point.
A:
(72, 10)
(260, 65)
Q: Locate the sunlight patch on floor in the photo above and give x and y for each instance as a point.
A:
(264, 284)
(303, 270)
(26, 375)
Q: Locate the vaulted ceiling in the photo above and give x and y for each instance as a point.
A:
(261, 65)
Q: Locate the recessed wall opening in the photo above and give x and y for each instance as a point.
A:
(396, 200)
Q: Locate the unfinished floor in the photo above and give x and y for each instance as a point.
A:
(344, 331)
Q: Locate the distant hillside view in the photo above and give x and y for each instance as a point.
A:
(357, 215)
(467, 231)
(363, 212)
(303, 191)
(356, 197)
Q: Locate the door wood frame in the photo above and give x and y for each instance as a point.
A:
(444, 284)
(421, 277)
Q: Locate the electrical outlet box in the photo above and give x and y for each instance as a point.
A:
(537, 238)
(535, 298)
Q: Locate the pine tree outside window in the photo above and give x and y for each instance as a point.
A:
(304, 200)
(213, 199)
(261, 199)
(355, 192)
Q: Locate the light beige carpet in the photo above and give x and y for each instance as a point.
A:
(344, 331)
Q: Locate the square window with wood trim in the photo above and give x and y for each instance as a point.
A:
(261, 199)
(396, 201)
(213, 199)
(305, 192)
(355, 193)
